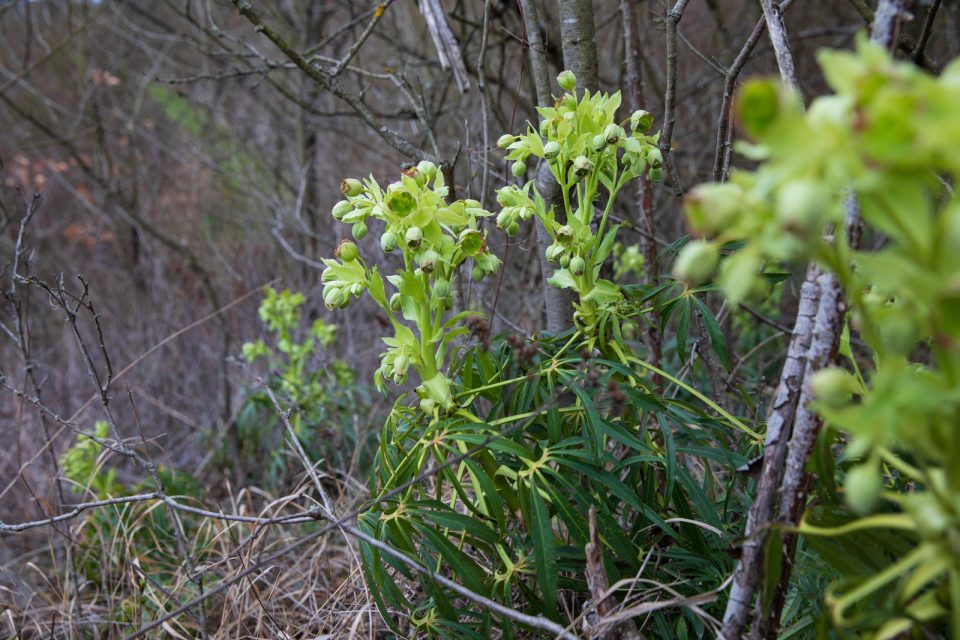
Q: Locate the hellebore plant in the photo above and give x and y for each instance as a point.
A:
(434, 238)
(889, 136)
(586, 149)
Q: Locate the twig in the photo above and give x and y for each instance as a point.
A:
(352, 51)
(672, 21)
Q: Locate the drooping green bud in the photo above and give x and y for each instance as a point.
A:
(598, 143)
(351, 187)
(577, 265)
(477, 274)
(505, 140)
(429, 261)
(833, 386)
(862, 488)
(347, 251)
(441, 288)
(567, 80)
(513, 228)
(612, 134)
(655, 158)
(565, 235)
(565, 260)
(553, 252)
(713, 207)
(333, 297)
(551, 150)
(471, 242)
(341, 209)
(518, 169)
(696, 262)
(389, 241)
(427, 169)
(395, 302)
(582, 166)
(801, 205)
(401, 202)
(413, 237)
(641, 121)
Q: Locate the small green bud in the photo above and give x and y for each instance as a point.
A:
(612, 134)
(696, 262)
(427, 169)
(359, 230)
(551, 150)
(334, 297)
(554, 252)
(389, 241)
(641, 121)
(513, 228)
(477, 274)
(862, 488)
(801, 206)
(655, 158)
(565, 235)
(351, 187)
(413, 237)
(565, 260)
(441, 288)
(598, 143)
(518, 169)
(567, 80)
(429, 261)
(505, 217)
(582, 166)
(577, 265)
(395, 303)
(833, 386)
(341, 209)
(347, 251)
(544, 128)
(505, 140)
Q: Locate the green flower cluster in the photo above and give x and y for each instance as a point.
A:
(433, 238)
(586, 147)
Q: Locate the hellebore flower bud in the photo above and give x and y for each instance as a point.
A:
(565, 235)
(565, 260)
(351, 187)
(347, 251)
(551, 150)
(518, 169)
(862, 488)
(441, 288)
(832, 386)
(401, 202)
(429, 260)
(333, 298)
(341, 209)
(395, 304)
(582, 166)
(413, 237)
(641, 121)
(389, 241)
(513, 228)
(696, 262)
(504, 217)
(567, 80)
(471, 242)
(505, 140)
(612, 134)
(800, 206)
(577, 265)
(554, 252)
(477, 274)
(655, 158)
(598, 143)
(427, 169)
(359, 230)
